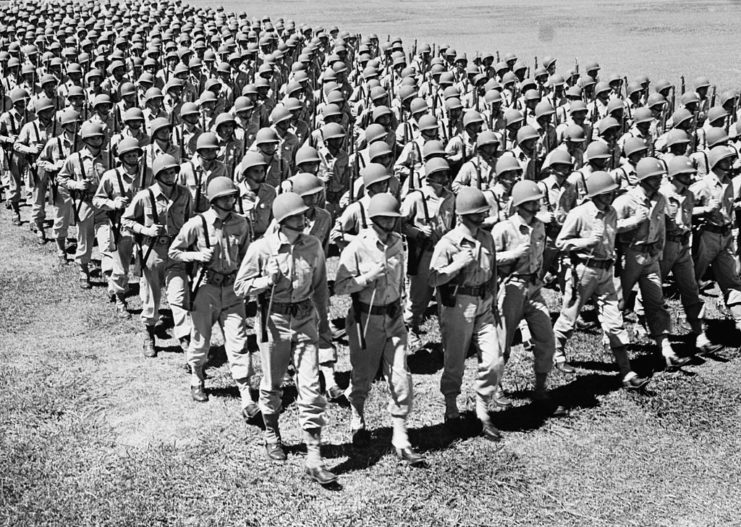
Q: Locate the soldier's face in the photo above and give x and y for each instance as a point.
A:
(207, 154)
(268, 148)
(256, 174)
(311, 168)
(130, 158)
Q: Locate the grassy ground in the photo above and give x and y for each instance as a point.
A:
(95, 434)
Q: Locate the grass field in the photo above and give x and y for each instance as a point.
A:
(95, 434)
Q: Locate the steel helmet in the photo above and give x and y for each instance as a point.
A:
(433, 148)
(306, 184)
(207, 96)
(406, 92)
(18, 95)
(715, 136)
(702, 82)
(307, 154)
(512, 116)
(427, 122)
(633, 145)
(487, 137)
(578, 106)
(544, 108)
(453, 103)
(436, 165)
(601, 87)
(525, 191)
(600, 182)
(558, 156)
(493, 97)
(597, 150)
(43, 104)
(574, 134)
(607, 124)
(681, 116)
(128, 144)
(508, 163)
(331, 110)
(224, 118)
(89, 129)
(656, 99)
(126, 89)
(642, 115)
(676, 136)
(251, 159)
(241, 104)
(280, 114)
(716, 113)
(719, 153)
(374, 132)
(158, 124)
(379, 149)
(162, 163)
(266, 136)
(418, 105)
(527, 133)
(133, 114)
(648, 167)
(207, 141)
(472, 117)
(470, 200)
(286, 205)
(374, 173)
(383, 205)
(189, 108)
(69, 116)
(680, 165)
(102, 98)
(219, 187)
(380, 111)
(333, 131)
(292, 104)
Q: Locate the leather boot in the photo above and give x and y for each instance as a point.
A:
(121, 306)
(84, 277)
(61, 251)
(149, 349)
(273, 444)
(314, 463)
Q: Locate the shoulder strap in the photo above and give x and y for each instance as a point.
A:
(120, 182)
(206, 236)
(155, 216)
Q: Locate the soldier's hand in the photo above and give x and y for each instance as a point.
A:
(272, 271)
(641, 216)
(425, 231)
(714, 204)
(548, 217)
(522, 249)
(120, 202)
(375, 272)
(204, 255)
(83, 185)
(463, 258)
(153, 230)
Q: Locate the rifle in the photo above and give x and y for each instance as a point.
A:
(355, 297)
(536, 63)
(712, 97)
(417, 248)
(201, 270)
(694, 131)
(683, 84)
(497, 54)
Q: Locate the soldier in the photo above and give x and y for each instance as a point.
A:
(155, 216)
(427, 214)
(277, 169)
(464, 270)
(196, 173)
(51, 160)
(461, 147)
(255, 196)
(479, 172)
(714, 207)
(287, 270)
(217, 240)
(79, 177)
(114, 193)
(588, 234)
(31, 140)
(371, 271)
(641, 237)
(11, 123)
(519, 244)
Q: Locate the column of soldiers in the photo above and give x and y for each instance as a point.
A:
(219, 158)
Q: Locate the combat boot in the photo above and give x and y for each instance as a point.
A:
(315, 468)
(121, 306)
(84, 277)
(40, 234)
(149, 349)
(273, 444)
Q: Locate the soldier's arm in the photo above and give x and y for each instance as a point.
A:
(349, 279)
(188, 235)
(133, 216)
(21, 144)
(408, 214)
(46, 159)
(249, 280)
(321, 294)
(66, 176)
(443, 268)
(463, 179)
(569, 238)
(505, 256)
(626, 217)
(101, 199)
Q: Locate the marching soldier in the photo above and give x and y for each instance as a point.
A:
(464, 270)
(371, 271)
(155, 216)
(217, 240)
(287, 270)
(588, 235)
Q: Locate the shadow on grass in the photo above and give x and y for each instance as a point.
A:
(427, 360)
